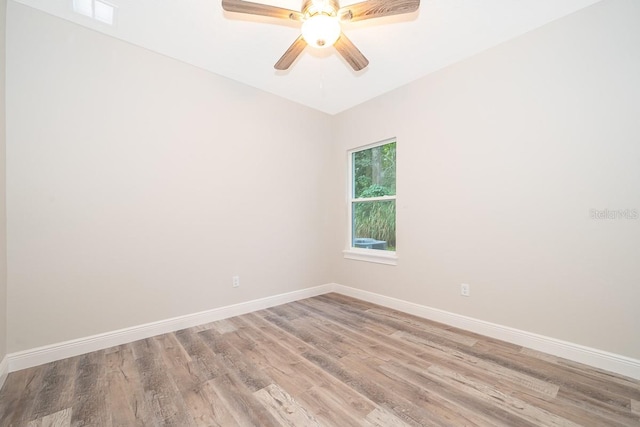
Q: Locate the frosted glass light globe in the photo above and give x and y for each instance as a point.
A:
(321, 30)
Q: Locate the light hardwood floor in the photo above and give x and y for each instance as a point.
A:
(329, 361)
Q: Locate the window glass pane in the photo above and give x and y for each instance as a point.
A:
(104, 12)
(374, 225)
(374, 172)
(84, 7)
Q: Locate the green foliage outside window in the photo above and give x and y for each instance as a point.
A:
(373, 168)
(374, 175)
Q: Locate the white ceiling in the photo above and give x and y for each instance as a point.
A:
(244, 48)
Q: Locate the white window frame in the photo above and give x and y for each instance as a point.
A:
(362, 254)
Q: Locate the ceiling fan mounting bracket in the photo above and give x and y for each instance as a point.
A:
(314, 7)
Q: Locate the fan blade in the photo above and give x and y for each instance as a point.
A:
(291, 54)
(240, 6)
(376, 9)
(350, 53)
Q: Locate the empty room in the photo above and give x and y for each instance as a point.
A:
(320, 213)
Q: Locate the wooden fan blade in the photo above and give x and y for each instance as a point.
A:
(241, 6)
(377, 8)
(350, 53)
(291, 54)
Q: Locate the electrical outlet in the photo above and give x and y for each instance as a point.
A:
(236, 281)
(465, 290)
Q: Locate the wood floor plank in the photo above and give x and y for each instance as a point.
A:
(56, 389)
(18, 396)
(296, 374)
(401, 326)
(326, 309)
(463, 410)
(232, 360)
(327, 332)
(471, 409)
(443, 359)
(376, 389)
(223, 326)
(438, 330)
(597, 409)
(583, 381)
(125, 395)
(187, 378)
(166, 404)
(382, 418)
(90, 406)
(245, 408)
(279, 355)
(597, 374)
(219, 412)
(329, 360)
(281, 365)
(306, 336)
(330, 408)
(372, 344)
(203, 361)
(502, 400)
(345, 301)
(292, 343)
(579, 388)
(284, 408)
(57, 419)
(498, 370)
(386, 345)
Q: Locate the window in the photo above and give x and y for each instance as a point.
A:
(372, 203)
(96, 9)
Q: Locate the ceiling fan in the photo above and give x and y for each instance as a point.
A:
(321, 24)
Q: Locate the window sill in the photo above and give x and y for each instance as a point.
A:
(372, 255)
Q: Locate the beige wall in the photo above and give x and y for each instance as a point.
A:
(3, 228)
(500, 159)
(138, 185)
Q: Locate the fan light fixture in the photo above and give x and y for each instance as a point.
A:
(321, 21)
(321, 30)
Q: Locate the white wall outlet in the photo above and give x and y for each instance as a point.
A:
(236, 281)
(465, 290)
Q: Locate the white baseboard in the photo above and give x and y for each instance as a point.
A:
(590, 356)
(4, 370)
(50, 353)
